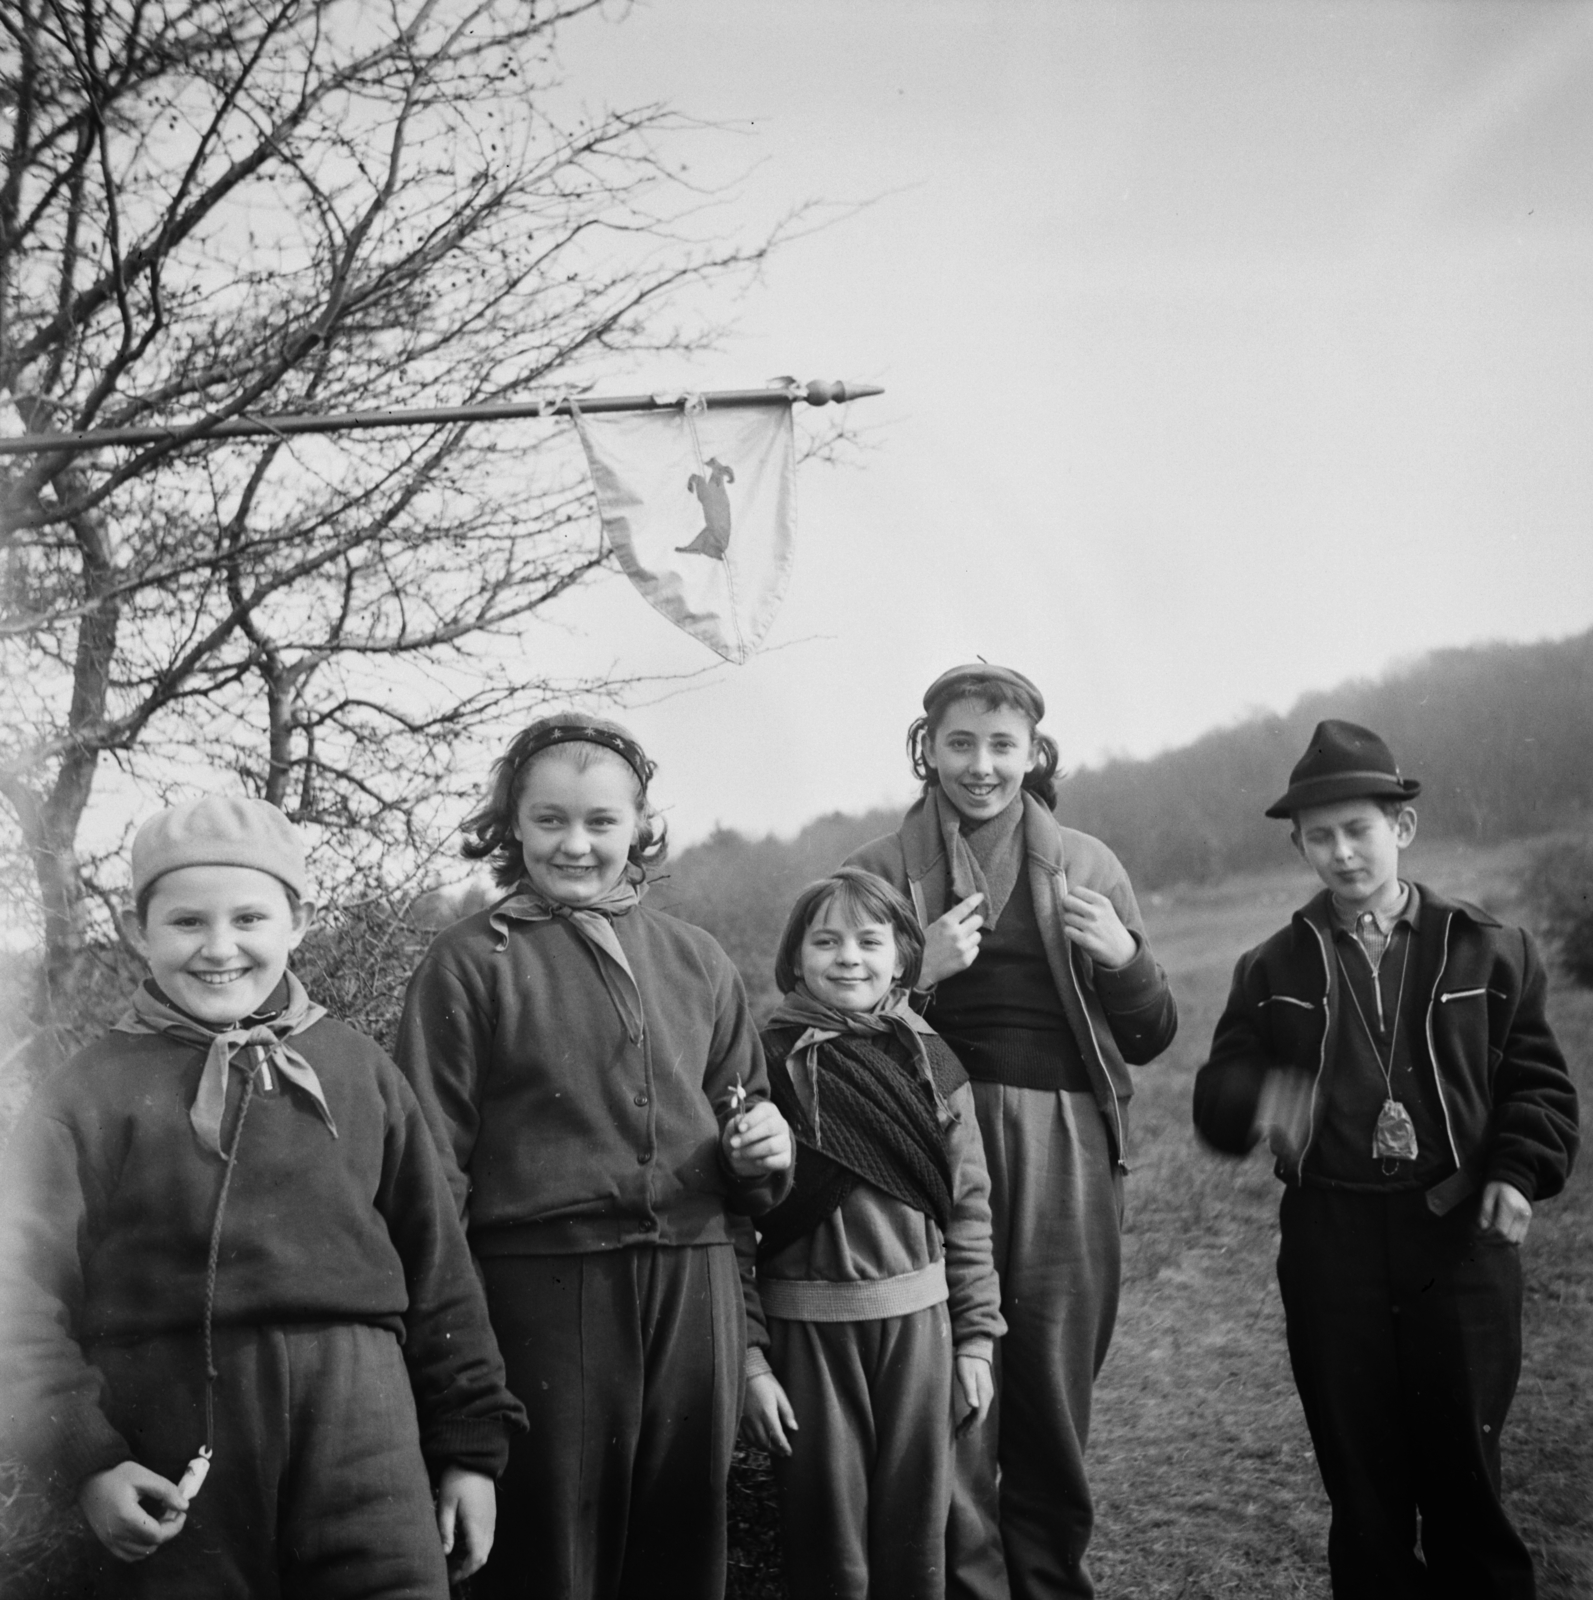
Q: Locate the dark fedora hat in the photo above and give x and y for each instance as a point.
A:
(1344, 761)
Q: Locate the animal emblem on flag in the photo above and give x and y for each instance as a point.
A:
(715, 536)
(699, 504)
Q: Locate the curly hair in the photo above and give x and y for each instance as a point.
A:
(993, 692)
(490, 829)
(859, 897)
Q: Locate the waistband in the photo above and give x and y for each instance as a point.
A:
(861, 1300)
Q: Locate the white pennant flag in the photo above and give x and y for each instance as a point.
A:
(700, 506)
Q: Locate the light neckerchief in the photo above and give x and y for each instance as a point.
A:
(821, 1023)
(595, 924)
(152, 1013)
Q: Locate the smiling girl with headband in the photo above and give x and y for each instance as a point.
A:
(592, 1071)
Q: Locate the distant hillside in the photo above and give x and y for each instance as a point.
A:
(1500, 735)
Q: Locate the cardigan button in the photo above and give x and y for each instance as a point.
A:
(641, 1099)
(647, 1224)
(643, 1157)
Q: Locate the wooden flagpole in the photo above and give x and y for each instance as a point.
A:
(817, 393)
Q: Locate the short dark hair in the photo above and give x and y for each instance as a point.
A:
(1391, 805)
(860, 897)
(490, 829)
(992, 693)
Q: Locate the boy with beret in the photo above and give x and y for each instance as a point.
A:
(1392, 1045)
(231, 1270)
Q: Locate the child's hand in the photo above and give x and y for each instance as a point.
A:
(467, 1514)
(757, 1141)
(1283, 1112)
(1505, 1213)
(766, 1414)
(951, 942)
(110, 1502)
(1095, 927)
(977, 1388)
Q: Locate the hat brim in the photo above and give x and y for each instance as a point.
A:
(1342, 786)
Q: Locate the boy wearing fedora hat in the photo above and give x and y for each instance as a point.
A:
(1392, 1046)
(238, 1317)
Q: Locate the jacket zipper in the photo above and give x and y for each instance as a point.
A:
(1321, 1063)
(1432, 1047)
(1117, 1110)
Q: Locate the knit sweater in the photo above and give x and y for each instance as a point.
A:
(560, 1133)
(107, 1199)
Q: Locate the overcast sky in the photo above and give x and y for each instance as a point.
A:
(1231, 350)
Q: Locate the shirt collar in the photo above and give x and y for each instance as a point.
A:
(1409, 913)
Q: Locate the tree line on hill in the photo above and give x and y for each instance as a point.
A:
(1500, 735)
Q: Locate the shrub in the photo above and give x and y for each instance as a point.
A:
(1559, 895)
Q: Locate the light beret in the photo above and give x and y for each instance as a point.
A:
(222, 830)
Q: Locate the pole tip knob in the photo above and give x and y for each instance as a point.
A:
(821, 392)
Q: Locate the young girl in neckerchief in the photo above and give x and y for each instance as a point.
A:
(1037, 973)
(875, 1291)
(592, 1071)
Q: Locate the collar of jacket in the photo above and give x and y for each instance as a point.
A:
(1318, 910)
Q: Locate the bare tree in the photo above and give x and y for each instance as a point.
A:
(213, 207)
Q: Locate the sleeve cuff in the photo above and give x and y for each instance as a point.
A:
(479, 1444)
(1126, 988)
(981, 1347)
(757, 1363)
(86, 1446)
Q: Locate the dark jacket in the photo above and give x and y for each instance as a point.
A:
(560, 1134)
(1116, 1017)
(1509, 1106)
(106, 1204)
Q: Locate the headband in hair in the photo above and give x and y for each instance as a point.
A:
(577, 730)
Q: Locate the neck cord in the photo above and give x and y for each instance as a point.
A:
(1399, 1000)
(214, 1259)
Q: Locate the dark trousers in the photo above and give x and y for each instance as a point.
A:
(1405, 1337)
(865, 1490)
(1056, 1210)
(629, 1363)
(317, 1490)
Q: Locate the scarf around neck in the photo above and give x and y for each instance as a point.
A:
(150, 1012)
(595, 925)
(821, 1023)
(985, 858)
(884, 1120)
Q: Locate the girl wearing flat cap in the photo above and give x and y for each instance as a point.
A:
(1036, 971)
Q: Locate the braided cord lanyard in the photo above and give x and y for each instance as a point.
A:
(200, 1465)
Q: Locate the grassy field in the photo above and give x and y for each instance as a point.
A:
(1204, 1476)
